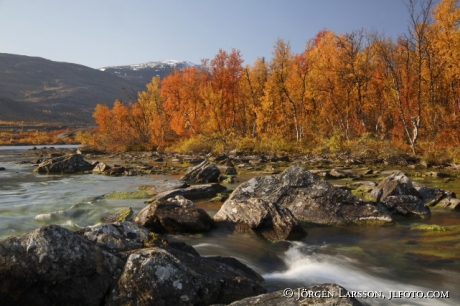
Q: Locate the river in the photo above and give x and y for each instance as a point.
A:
(404, 260)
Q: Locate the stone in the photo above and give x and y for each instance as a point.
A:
(73, 163)
(336, 173)
(178, 275)
(203, 173)
(338, 297)
(174, 215)
(54, 266)
(432, 196)
(166, 185)
(194, 192)
(449, 204)
(406, 205)
(230, 171)
(311, 199)
(116, 237)
(395, 184)
(101, 167)
(268, 219)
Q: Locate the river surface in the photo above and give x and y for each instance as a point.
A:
(404, 260)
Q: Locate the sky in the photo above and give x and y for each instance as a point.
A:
(100, 33)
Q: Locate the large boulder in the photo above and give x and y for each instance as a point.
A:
(54, 266)
(268, 219)
(174, 215)
(73, 163)
(117, 237)
(394, 185)
(194, 192)
(406, 206)
(324, 294)
(175, 275)
(310, 199)
(203, 173)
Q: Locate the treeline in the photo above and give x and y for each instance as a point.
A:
(343, 88)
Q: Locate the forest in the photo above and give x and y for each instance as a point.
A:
(354, 91)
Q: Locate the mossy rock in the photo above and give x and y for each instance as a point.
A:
(220, 197)
(121, 214)
(127, 195)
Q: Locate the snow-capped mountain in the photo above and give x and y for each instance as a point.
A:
(146, 71)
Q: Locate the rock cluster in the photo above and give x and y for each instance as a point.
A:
(110, 265)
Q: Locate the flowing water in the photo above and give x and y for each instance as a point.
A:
(410, 259)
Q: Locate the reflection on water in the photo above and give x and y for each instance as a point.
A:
(409, 256)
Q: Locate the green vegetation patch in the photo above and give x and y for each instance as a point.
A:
(119, 215)
(428, 227)
(127, 195)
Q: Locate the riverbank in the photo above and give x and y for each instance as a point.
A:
(413, 254)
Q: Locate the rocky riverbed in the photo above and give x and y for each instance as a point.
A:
(276, 198)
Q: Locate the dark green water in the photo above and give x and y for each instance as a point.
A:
(414, 255)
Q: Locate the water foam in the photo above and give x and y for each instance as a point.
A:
(306, 268)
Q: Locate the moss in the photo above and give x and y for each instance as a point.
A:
(128, 195)
(428, 227)
(120, 215)
(363, 193)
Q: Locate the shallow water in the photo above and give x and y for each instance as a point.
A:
(404, 257)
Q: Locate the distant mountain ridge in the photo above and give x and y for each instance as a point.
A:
(37, 90)
(146, 71)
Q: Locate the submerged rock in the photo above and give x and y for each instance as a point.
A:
(205, 172)
(178, 275)
(310, 199)
(166, 185)
(174, 215)
(64, 164)
(54, 266)
(270, 220)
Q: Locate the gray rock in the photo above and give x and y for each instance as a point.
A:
(324, 295)
(395, 184)
(116, 237)
(179, 276)
(230, 171)
(336, 173)
(432, 196)
(54, 266)
(101, 167)
(166, 185)
(203, 173)
(406, 205)
(310, 199)
(268, 219)
(64, 164)
(195, 192)
(174, 215)
(449, 204)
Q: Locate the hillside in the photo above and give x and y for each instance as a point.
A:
(37, 90)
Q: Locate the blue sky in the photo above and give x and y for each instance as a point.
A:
(98, 33)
